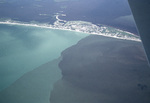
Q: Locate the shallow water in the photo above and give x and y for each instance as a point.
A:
(24, 48)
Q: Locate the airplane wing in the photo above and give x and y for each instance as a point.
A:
(141, 13)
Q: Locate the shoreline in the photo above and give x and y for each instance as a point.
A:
(79, 26)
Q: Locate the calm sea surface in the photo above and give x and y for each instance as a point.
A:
(24, 48)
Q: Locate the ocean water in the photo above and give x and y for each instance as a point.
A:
(33, 70)
(24, 48)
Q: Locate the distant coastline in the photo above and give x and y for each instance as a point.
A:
(79, 26)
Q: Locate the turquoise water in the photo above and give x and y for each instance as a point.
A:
(23, 48)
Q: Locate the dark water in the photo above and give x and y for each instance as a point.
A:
(103, 70)
(36, 67)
